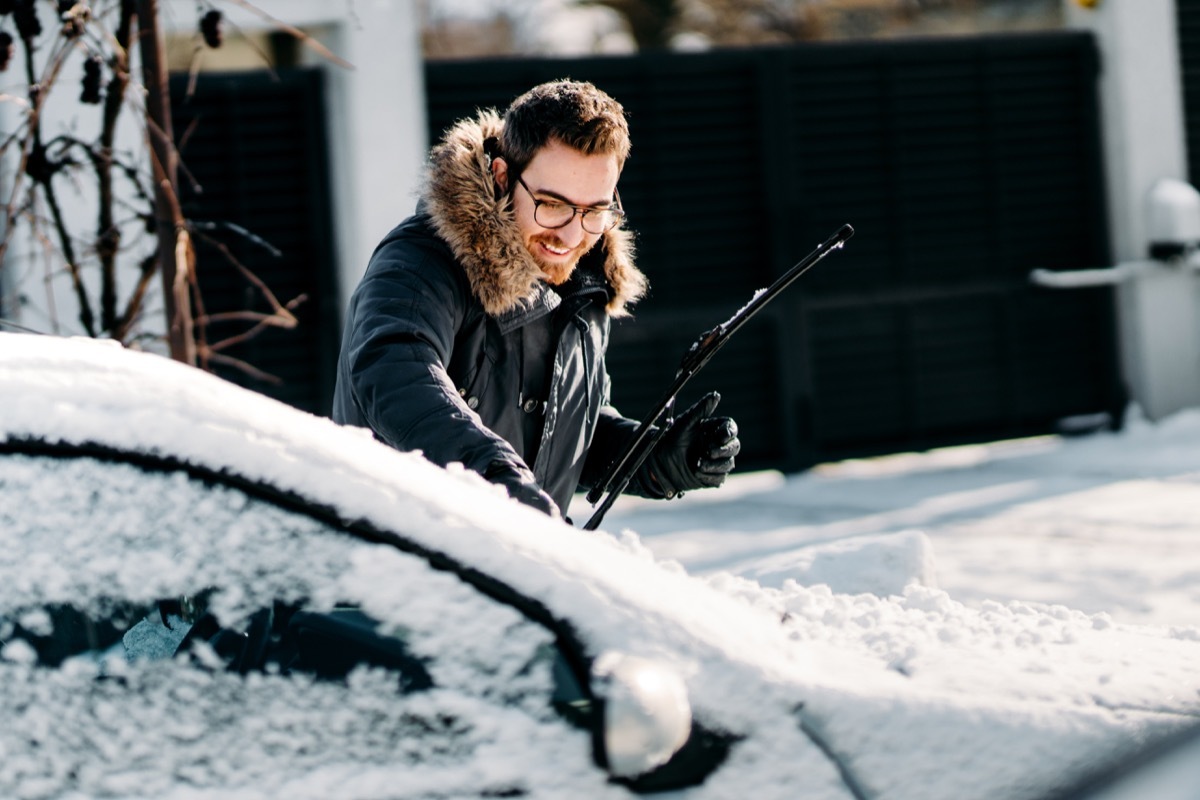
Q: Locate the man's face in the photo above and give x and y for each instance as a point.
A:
(560, 174)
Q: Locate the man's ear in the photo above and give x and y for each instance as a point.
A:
(500, 173)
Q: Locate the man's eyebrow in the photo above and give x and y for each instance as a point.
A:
(560, 198)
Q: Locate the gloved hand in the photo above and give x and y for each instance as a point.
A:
(697, 451)
(521, 485)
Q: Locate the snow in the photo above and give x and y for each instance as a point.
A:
(1038, 569)
(978, 621)
(1104, 523)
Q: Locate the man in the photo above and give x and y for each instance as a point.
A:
(479, 331)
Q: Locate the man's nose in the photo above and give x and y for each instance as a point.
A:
(572, 233)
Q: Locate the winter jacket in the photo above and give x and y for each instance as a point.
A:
(454, 346)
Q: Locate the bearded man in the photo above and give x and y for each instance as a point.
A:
(479, 331)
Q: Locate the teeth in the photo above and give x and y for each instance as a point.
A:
(557, 251)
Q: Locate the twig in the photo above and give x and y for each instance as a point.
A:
(250, 370)
(193, 73)
(199, 324)
(268, 62)
(304, 38)
(45, 179)
(108, 234)
(253, 238)
(8, 323)
(133, 307)
(247, 335)
(186, 136)
(174, 249)
(286, 321)
(276, 307)
(48, 266)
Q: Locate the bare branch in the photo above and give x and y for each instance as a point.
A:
(8, 323)
(253, 238)
(193, 72)
(174, 250)
(37, 188)
(30, 138)
(282, 319)
(48, 265)
(133, 308)
(108, 234)
(276, 307)
(303, 37)
(268, 62)
(41, 171)
(245, 367)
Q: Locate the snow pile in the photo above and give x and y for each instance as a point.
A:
(1104, 523)
(883, 564)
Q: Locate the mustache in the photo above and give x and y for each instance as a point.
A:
(552, 240)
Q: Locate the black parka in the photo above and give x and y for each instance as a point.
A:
(454, 346)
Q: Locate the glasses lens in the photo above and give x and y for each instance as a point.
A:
(552, 215)
(600, 221)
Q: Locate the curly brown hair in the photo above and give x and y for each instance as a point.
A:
(575, 113)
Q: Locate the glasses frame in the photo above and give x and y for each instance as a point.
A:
(618, 213)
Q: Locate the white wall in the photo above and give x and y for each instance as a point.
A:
(375, 120)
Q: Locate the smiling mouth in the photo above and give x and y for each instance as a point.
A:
(558, 251)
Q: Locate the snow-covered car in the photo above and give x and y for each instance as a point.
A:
(204, 593)
(1165, 770)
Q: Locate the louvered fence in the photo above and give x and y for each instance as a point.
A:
(255, 156)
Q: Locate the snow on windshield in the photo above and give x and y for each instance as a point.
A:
(96, 532)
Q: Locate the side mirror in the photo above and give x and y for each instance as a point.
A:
(647, 716)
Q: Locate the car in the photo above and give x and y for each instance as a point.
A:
(1168, 769)
(206, 593)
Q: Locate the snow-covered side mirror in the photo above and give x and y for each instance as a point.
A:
(647, 716)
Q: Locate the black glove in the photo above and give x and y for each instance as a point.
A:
(696, 451)
(521, 486)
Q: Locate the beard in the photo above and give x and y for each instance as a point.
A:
(558, 271)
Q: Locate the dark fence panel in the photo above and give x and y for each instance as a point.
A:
(1187, 13)
(255, 156)
(962, 163)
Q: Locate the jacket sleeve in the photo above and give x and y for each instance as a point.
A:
(399, 338)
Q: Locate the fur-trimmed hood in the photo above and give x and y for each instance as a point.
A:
(482, 231)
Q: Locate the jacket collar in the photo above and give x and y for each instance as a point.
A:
(481, 229)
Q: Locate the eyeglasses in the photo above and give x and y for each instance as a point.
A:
(552, 214)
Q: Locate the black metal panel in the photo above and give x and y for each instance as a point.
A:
(962, 163)
(1188, 25)
(254, 153)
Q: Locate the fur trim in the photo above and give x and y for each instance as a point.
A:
(482, 232)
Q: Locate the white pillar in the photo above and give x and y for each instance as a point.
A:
(1144, 140)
